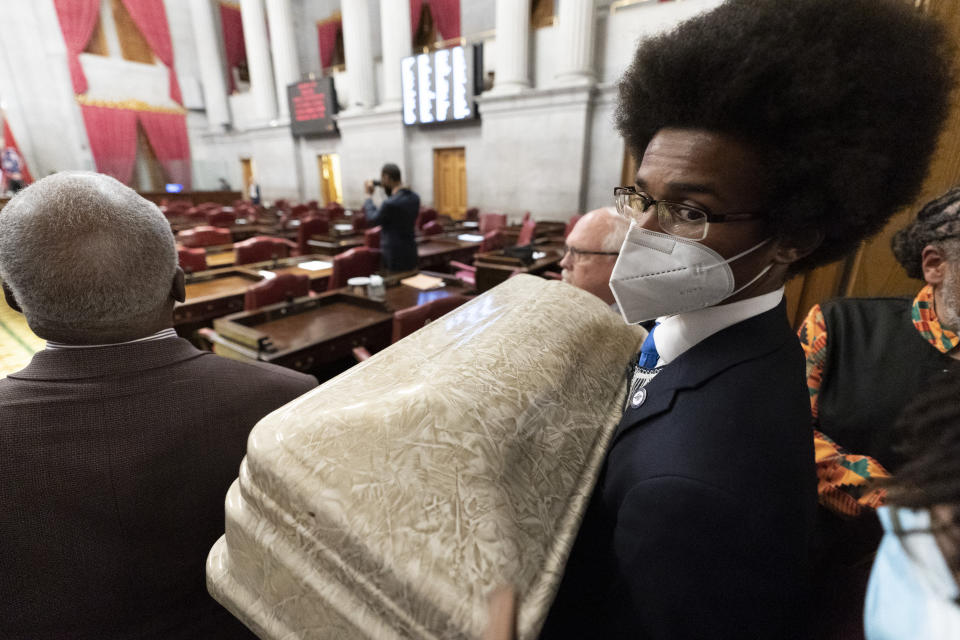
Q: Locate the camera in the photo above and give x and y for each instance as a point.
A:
(376, 183)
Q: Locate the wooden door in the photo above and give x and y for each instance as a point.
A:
(246, 169)
(450, 182)
(330, 185)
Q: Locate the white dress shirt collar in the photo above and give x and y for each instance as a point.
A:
(679, 333)
(163, 334)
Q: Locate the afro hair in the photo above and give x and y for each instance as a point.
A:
(939, 220)
(844, 99)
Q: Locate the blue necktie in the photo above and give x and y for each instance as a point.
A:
(648, 352)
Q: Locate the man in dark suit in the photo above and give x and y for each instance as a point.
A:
(746, 121)
(397, 217)
(119, 439)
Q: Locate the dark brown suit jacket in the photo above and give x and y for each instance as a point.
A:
(114, 464)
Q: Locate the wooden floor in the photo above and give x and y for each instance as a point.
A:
(17, 342)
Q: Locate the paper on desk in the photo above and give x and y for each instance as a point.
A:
(470, 237)
(470, 224)
(315, 265)
(539, 254)
(423, 282)
(343, 226)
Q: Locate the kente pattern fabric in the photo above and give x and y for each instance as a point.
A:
(392, 500)
(889, 325)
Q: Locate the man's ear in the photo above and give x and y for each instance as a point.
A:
(178, 290)
(11, 300)
(934, 264)
(793, 248)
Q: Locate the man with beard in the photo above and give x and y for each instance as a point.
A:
(867, 357)
(397, 217)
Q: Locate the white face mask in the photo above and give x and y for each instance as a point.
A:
(912, 591)
(658, 274)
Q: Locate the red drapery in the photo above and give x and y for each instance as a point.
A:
(327, 39)
(167, 133)
(10, 141)
(233, 42)
(151, 18)
(77, 20)
(446, 15)
(113, 140)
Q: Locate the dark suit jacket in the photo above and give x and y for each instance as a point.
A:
(114, 465)
(397, 218)
(700, 524)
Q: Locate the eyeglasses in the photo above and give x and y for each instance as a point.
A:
(576, 253)
(676, 218)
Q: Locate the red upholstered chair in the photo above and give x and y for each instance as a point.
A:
(526, 218)
(356, 262)
(192, 260)
(473, 214)
(221, 218)
(204, 236)
(409, 320)
(571, 224)
(298, 211)
(552, 275)
(466, 273)
(371, 238)
(313, 204)
(425, 217)
(261, 248)
(492, 240)
(309, 227)
(527, 232)
(492, 221)
(359, 220)
(286, 286)
(335, 209)
(432, 228)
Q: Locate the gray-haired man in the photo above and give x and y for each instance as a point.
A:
(119, 439)
(591, 251)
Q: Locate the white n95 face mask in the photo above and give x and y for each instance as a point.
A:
(658, 274)
(912, 592)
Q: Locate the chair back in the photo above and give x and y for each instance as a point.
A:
(359, 261)
(432, 228)
(371, 238)
(527, 232)
(425, 217)
(526, 218)
(191, 260)
(298, 211)
(409, 320)
(359, 220)
(309, 227)
(204, 236)
(335, 209)
(492, 221)
(473, 214)
(571, 224)
(262, 248)
(221, 218)
(285, 286)
(492, 241)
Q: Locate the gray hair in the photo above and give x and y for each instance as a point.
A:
(81, 250)
(617, 227)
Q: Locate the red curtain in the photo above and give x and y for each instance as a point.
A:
(151, 18)
(10, 141)
(113, 140)
(233, 42)
(327, 39)
(167, 133)
(77, 21)
(446, 15)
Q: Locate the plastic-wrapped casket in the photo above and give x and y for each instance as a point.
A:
(390, 501)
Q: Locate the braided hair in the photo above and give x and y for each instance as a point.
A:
(928, 432)
(939, 220)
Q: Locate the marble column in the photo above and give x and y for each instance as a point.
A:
(396, 44)
(211, 63)
(513, 46)
(258, 59)
(576, 21)
(283, 45)
(358, 51)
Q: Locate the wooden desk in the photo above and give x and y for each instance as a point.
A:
(309, 333)
(494, 267)
(217, 259)
(436, 252)
(333, 244)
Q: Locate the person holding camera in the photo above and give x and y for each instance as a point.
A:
(397, 218)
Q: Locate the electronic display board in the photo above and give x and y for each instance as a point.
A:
(312, 106)
(439, 86)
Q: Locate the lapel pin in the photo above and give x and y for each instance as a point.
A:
(638, 397)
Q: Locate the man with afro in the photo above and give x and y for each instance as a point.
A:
(772, 136)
